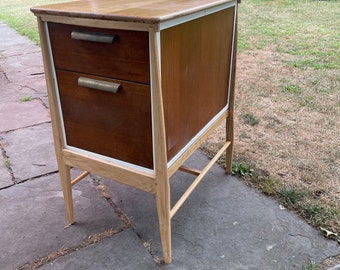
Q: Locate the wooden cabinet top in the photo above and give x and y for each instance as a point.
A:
(142, 11)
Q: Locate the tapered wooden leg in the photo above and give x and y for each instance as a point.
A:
(229, 137)
(65, 179)
(230, 118)
(163, 209)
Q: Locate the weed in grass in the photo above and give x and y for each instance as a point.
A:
(311, 103)
(272, 121)
(271, 185)
(26, 98)
(242, 169)
(250, 119)
(312, 63)
(244, 135)
(293, 89)
(311, 266)
(292, 196)
(318, 214)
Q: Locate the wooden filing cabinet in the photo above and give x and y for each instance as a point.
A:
(135, 87)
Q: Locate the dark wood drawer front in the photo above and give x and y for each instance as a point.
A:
(115, 125)
(126, 58)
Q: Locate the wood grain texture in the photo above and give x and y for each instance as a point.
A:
(64, 169)
(122, 174)
(195, 75)
(127, 58)
(114, 125)
(161, 172)
(148, 11)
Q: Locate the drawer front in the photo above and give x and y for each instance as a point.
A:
(116, 125)
(121, 54)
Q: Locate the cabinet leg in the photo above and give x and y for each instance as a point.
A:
(229, 137)
(65, 179)
(163, 209)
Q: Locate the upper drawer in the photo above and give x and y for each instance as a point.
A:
(126, 58)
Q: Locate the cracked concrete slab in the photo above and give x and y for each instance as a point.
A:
(13, 93)
(33, 219)
(112, 253)
(21, 68)
(30, 151)
(15, 115)
(225, 225)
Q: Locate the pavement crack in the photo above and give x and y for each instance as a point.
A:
(7, 161)
(39, 165)
(37, 73)
(148, 246)
(5, 76)
(126, 220)
(301, 235)
(127, 223)
(90, 240)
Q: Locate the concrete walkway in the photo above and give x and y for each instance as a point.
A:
(223, 225)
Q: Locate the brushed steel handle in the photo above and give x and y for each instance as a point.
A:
(99, 85)
(93, 36)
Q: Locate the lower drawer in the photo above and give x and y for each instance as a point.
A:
(117, 125)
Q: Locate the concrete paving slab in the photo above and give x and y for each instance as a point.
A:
(30, 151)
(13, 93)
(15, 115)
(5, 176)
(33, 219)
(123, 251)
(23, 67)
(225, 225)
(11, 43)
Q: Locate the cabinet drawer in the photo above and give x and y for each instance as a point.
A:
(126, 58)
(115, 125)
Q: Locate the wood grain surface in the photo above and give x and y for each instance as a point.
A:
(148, 11)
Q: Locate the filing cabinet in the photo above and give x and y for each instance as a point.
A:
(135, 87)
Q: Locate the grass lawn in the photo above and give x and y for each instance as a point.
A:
(287, 122)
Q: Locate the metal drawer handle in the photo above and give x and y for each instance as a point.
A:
(99, 85)
(93, 36)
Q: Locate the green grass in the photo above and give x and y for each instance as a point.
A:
(242, 169)
(7, 163)
(292, 196)
(305, 28)
(26, 99)
(311, 266)
(292, 88)
(17, 14)
(250, 119)
(318, 214)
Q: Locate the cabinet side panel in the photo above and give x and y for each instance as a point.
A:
(195, 59)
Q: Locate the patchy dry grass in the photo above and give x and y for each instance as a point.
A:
(288, 77)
